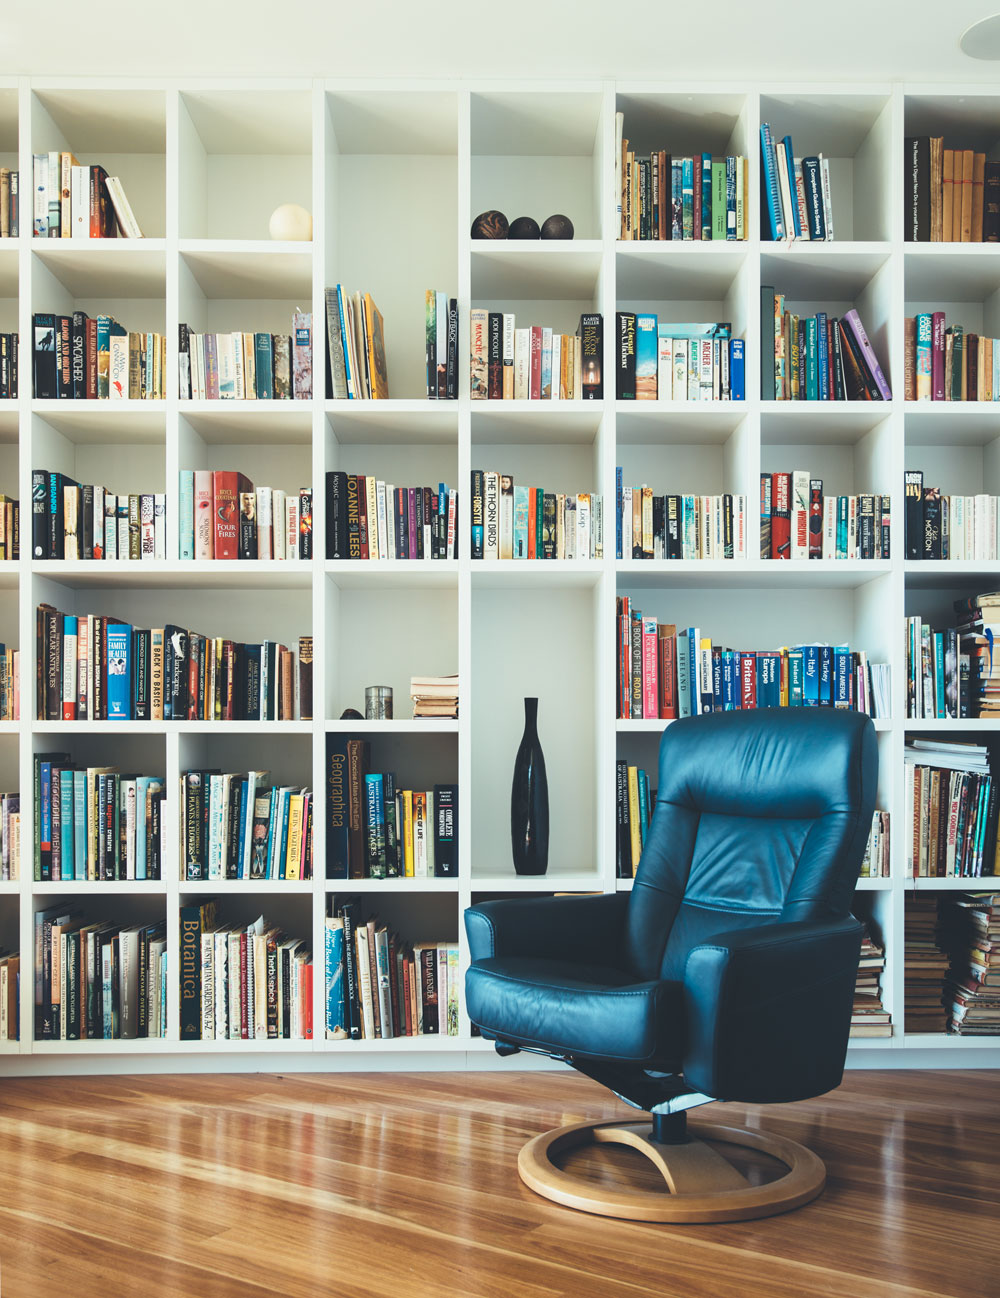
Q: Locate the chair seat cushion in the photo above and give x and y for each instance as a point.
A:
(580, 1009)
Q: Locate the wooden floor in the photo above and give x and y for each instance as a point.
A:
(405, 1186)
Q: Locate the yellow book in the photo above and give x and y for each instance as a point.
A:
(783, 676)
(156, 674)
(293, 852)
(408, 833)
(635, 832)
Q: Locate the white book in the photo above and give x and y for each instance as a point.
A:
(508, 355)
(118, 368)
(740, 527)
(784, 187)
(693, 370)
(265, 537)
(383, 521)
(291, 526)
(249, 368)
(239, 369)
(522, 364)
(852, 527)
(159, 525)
(824, 168)
(569, 526)
(680, 390)
(227, 366)
(390, 520)
(278, 532)
(556, 366)
(583, 525)
(597, 527)
(664, 368)
(626, 522)
(371, 505)
(40, 207)
(985, 516)
(829, 527)
(491, 515)
(80, 202)
(706, 378)
(546, 390)
(127, 223)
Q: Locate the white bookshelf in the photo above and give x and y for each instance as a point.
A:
(393, 174)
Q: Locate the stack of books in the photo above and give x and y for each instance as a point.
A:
(875, 862)
(659, 360)
(10, 683)
(869, 1018)
(10, 528)
(667, 197)
(70, 520)
(10, 996)
(665, 671)
(797, 190)
(534, 363)
(434, 696)
(816, 358)
(78, 202)
(925, 964)
(236, 826)
(971, 934)
(949, 195)
(951, 809)
(223, 516)
(378, 985)
(98, 979)
(634, 801)
(246, 366)
(96, 822)
(939, 526)
(797, 521)
(10, 203)
(76, 358)
(10, 836)
(943, 362)
(510, 521)
(442, 346)
(355, 341)
(678, 527)
(8, 366)
(97, 668)
(242, 982)
(368, 518)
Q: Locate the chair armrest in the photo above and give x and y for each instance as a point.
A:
(769, 1010)
(556, 928)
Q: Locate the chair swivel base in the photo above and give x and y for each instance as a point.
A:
(700, 1185)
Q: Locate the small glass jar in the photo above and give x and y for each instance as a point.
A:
(378, 703)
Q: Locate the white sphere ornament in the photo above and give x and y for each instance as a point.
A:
(290, 222)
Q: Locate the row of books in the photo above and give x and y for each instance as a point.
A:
(368, 518)
(665, 361)
(378, 985)
(236, 826)
(795, 191)
(355, 336)
(925, 962)
(665, 672)
(242, 982)
(10, 996)
(76, 357)
(98, 979)
(78, 202)
(978, 630)
(511, 521)
(797, 521)
(971, 934)
(949, 195)
(375, 830)
(223, 516)
(10, 528)
(876, 861)
(666, 197)
(10, 203)
(679, 526)
(95, 822)
(441, 315)
(10, 684)
(634, 802)
(869, 1017)
(940, 526)
(9, 366)
(10, 836)
(938, 668)
(534, 363)
(951, 810)
(946, 363)
(434, 696)
(246, 366)
(816, 358)
(70, 520)
(96, 668)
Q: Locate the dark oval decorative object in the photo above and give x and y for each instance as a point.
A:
(557, 227)
(490, 225)
(351, 714)
(529, 800)
(524, 227)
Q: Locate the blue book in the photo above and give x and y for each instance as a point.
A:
(728, 681)
(79, 824)
(334, 972)
(841, 676)
(687, 198)
(285, 796)
(273, 833)
(770, 166)
(717, 700)
(642, 781)
(185, 510)
(45, 817)
(795, 682)
(241, 838)
(375, 805)
(812, 359)
(730, 198)
(119, 672)
(694, 675)
(825, 676)
(841, 527)
(263, 366)
(645, 357)
(683, 676)
(768, 680)
(706, 196)
(349, 374)
(813, 184)
(810, 676)
(67, 837)
(618, 512)
(796, 229)
(737, 370)
(822, 357)
(676, 199)
(520, 522)
(939, 707)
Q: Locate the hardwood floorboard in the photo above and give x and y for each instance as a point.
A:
(405, 1186)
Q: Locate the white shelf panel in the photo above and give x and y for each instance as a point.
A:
(244, 422)
(836, 274)
(962, 423)
(524, 423)
(103, 423)
(237, 887)
(126, 887)
(982, 883)
(402, 726)
(9, 575)
(206, 574)
(250, 270)
(512, 574)
(875, 883)
(958, 726)
(401, 421)
(690, 271)
(390, 574)
(10, 887)
(9, 256)
(844, 410)
(545, 269)
(655, 725)
(677, 423)
(106, 268)
(820, 423)
(948, 1041)
(395, 886)
(554, 881)
(757, 573)
(175, 727)
(937, 572)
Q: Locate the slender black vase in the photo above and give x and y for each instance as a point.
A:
(529, 800)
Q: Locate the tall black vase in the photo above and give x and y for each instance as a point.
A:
(529, 800)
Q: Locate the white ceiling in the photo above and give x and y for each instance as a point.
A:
(858, 40)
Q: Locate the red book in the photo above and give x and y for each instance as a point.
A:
(650, 670)
(226, 487)
(535, 390)
(306, 1001)
(667, 645)
(204, 530)
(90, 359)
(816, 518)
(532, 508)
(363, 514)
(697, 195)
(748, 680)
(937, 356)
(781, 515)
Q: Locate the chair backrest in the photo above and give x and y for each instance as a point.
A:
(761, 817)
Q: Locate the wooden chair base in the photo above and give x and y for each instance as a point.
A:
(700, 1184)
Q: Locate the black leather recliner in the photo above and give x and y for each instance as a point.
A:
(727, 972)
